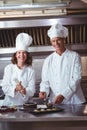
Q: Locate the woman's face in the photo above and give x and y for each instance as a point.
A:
(58, 43)
(21, 56)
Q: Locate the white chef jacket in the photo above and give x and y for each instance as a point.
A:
(12, 74)
(62, 75)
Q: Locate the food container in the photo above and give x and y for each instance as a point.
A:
(46, 110)
(4, 109)
(30, 105)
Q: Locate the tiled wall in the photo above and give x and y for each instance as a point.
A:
(84, 66)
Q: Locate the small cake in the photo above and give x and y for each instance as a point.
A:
(36, 110)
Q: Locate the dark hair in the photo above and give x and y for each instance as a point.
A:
(28, 61)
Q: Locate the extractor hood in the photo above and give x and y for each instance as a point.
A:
(34, 9)
(36, 6)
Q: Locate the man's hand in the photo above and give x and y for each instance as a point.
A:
(42, 95)
(59, 99)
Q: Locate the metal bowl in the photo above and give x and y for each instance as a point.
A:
(30, 105)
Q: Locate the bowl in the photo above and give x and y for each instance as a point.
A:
(30, 105)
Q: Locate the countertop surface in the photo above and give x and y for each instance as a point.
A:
(69, 113)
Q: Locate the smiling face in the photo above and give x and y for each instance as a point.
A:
(21, 57)
(58, 44)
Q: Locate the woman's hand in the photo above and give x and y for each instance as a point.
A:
(59, 99)
(20, 88)
(23, 91)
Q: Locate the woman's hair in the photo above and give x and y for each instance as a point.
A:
(28, 61)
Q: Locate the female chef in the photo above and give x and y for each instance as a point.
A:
(19, 76)
(61, 73)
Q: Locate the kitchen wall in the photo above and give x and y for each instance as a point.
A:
(84, 65)
(37, 65)
(37, 25)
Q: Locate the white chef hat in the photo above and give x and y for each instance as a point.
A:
(23, 41)
(57, 30)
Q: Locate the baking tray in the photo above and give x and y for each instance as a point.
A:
(46, 110)
(4, 109)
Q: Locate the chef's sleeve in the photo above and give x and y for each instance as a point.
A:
(7, 87)
(75, 78)
(30, 89)
(44, 85)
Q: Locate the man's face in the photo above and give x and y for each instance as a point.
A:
(58, 43)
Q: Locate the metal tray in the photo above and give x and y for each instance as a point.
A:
(4, 109)
(46, 110)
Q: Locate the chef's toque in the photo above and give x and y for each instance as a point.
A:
(23, 41)
(57, 30)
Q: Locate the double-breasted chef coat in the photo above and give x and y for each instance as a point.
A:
(12, 75)
(62, 75)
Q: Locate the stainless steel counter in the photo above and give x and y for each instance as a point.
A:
(73, 116)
